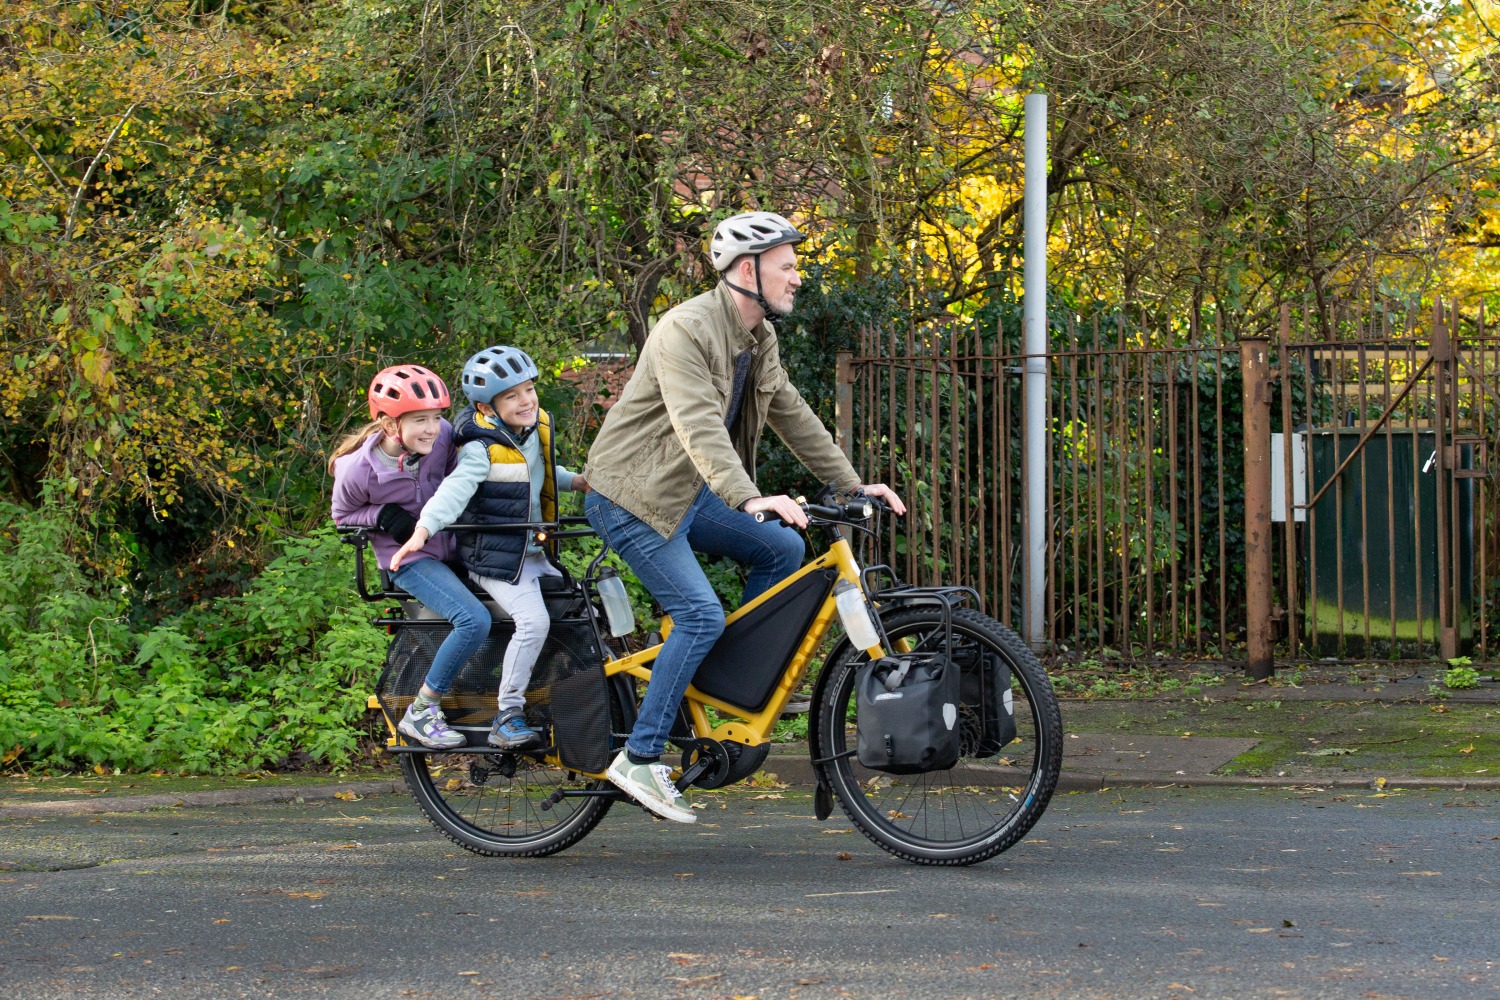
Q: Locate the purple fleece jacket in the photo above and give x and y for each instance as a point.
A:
(362, 484)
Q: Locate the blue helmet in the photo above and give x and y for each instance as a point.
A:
(495, 369)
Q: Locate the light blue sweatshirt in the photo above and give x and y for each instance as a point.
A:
(472, 469)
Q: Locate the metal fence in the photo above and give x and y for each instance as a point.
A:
(1370, 538)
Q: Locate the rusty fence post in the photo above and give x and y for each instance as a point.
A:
(1444, 424)
(843, 403)
(1256, 370)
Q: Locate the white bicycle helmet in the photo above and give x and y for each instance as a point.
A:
(749, 232)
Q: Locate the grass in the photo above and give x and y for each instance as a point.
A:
(1094, 679)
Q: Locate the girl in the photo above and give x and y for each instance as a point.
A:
(382, 475)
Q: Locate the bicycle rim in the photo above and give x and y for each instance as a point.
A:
(473, 801)
(989, 798)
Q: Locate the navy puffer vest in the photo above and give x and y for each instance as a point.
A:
(505, 497)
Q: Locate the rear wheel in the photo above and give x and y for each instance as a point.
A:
(992, 795)
(508, 805)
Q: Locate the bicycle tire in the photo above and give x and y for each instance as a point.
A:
(502, 816)
(986, 802)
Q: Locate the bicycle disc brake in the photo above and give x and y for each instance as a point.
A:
(705, 762)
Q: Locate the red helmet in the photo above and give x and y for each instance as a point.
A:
(406, 389)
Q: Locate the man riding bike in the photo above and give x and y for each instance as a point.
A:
(673, 471)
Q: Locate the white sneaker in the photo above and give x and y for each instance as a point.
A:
(651, 786)
(430, 729)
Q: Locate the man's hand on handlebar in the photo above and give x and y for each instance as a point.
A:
(881, 491)
(781, 506)
(418, 539)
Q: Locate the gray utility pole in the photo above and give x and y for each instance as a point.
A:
(1034, 345)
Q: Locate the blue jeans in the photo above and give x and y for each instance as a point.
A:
(438, 587)
(671, 573)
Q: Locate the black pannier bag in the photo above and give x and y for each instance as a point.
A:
(907, 709)
(987, 714)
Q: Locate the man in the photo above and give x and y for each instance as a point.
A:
(673, 471)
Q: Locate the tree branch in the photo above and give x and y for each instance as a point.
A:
(89, 174)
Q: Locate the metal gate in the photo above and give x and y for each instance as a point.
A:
(1172, 532)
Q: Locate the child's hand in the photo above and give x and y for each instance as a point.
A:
(418, 539)
(580, 484)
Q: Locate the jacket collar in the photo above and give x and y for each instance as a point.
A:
(742, 337)
(382, 472)
(517, 438)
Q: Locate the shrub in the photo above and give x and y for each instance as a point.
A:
(276, 673)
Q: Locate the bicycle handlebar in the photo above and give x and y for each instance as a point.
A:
(858, 509)
(563, 527)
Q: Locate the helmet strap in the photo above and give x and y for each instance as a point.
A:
(396, 436)
(756, 296)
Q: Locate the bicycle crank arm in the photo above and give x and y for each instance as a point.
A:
(582, 793)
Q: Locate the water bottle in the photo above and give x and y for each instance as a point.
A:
(616, 604)
(855, 614)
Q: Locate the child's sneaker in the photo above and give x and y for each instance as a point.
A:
(510, 732)
(651, 786)
(430, 729)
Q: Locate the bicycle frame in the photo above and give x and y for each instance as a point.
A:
(750, 726)
(746, 725)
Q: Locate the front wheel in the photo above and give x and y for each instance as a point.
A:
(1001, 782)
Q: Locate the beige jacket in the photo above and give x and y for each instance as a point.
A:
(665, 436)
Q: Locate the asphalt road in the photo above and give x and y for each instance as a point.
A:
(1188, 893)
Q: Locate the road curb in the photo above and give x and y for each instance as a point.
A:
(790, 769)
(797, 770)
(216, 797)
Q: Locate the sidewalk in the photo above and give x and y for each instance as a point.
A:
(1383, 734)
(1334, 734)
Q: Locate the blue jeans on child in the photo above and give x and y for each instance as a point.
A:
(438, 587)
(670, 571)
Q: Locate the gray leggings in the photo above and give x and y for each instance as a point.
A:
(521, 600)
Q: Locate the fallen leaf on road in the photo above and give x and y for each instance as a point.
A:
(50, 916)
(1421, 873)
(347, 796)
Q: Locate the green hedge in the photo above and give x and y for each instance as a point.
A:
(273, 676)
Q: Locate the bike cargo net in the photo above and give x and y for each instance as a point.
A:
(567, 699)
